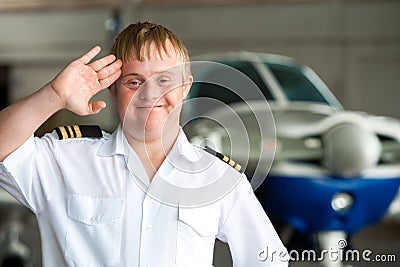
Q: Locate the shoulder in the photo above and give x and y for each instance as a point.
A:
(224, 158)
(77, 132)
(69, 136)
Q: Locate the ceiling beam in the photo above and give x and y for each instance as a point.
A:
(172, 3)
(31, 5)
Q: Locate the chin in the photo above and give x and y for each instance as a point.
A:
(152, 129)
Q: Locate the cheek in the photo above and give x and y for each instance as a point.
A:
(124, 98)
(174, 98)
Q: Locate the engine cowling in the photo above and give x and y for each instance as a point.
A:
(349, 149)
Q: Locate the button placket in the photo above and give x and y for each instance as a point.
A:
(149, 227)
(147, 235)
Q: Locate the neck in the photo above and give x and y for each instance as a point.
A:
(153, 152)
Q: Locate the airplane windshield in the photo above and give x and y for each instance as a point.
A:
(295, 85)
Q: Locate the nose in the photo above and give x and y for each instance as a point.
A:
(149, 90)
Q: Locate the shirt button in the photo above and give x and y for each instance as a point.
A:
(149, 228)
(92, 219)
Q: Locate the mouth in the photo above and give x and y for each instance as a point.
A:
(150, 107)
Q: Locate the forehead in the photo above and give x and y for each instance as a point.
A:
(154, 60)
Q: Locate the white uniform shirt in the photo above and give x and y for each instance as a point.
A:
(95, 206)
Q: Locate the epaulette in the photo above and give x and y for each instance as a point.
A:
(78, 131)
(224, 158)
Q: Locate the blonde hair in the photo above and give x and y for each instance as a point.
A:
(135, 39)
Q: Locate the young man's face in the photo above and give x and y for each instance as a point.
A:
(150, 94)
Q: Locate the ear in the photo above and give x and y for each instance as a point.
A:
(187, 86)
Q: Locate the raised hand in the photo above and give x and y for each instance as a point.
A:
(82, 79)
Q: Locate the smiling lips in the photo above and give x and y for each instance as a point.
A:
(150, 107)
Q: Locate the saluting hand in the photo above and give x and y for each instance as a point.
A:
(82, 79)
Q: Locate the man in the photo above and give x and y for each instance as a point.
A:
(138, 197)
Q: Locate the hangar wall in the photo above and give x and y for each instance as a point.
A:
(353, 45)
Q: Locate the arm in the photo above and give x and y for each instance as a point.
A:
(71, 89)
(250, 235)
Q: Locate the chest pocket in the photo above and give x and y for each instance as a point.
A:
(197, 228)
(94, 230)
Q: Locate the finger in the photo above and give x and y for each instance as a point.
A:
(106, 82)
(96, 107)
(86, 58)
(109, 70)
(102, 62)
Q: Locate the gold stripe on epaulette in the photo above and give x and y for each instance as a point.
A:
(77, 131)
(238, 167)
(225, 159)
(71, 133)
(63, 132)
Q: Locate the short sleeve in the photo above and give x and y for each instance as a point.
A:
(20, 154)
(250, 234)
(24, 173)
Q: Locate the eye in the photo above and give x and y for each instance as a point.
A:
(163, 80)
(132, 84)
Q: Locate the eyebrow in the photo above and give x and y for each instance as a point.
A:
(133, 74)
(143, 77)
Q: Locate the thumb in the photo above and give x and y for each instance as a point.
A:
(96, 107)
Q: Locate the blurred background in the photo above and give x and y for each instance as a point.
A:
(353, 45)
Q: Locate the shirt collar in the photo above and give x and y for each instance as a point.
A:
(115, 145)
(184, 148)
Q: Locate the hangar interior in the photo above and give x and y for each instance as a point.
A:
(353, 45)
